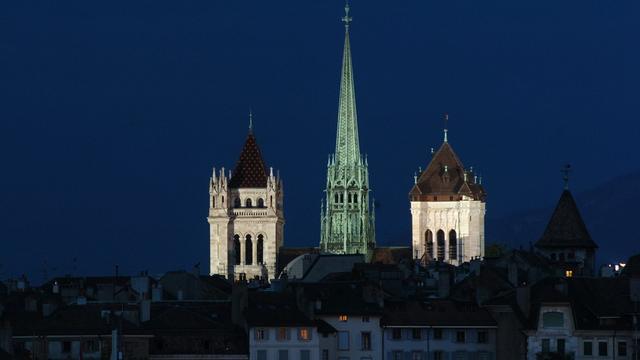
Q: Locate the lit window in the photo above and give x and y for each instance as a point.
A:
(568, 273)
(343, 318)
(304, 334)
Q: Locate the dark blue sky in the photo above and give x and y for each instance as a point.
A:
(113, 113)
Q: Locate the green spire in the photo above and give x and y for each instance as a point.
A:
(347, 144)
(347, 223)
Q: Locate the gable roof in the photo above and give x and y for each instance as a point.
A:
(445, 176)
(250, 170)
(566, 227)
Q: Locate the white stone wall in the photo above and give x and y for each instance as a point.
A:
(447, 345)
(226, 220)
(355, 326)
(466, 217)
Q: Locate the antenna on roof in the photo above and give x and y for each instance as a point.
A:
(565, 175)
(250, 121)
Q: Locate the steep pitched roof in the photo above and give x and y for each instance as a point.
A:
(445, 176)
(250, 170)
(566, 227)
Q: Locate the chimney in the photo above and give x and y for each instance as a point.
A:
(145, 310)
(523, 298)
(56, 288)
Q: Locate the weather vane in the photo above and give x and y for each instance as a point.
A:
(446, 121)
(250, 120)
(565, 175)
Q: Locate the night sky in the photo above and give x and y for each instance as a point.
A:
(112, 114)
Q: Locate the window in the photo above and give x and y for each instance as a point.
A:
(260, 203)
(91, 346)
(546, 347)
(365, 319)
(553, 257)
(560, 346)
(568, 273)
(260, 334)
(325, 354)
(262, 355)
(440, 238)
(561, 256)
(460, 336)
(428, 241)
(552, 319)
(304, 334)
(283, 354)
(260, 249)
(453, 245)
(602, 348)
(416, 333)
(236, 202)
(236, 248)
(571, 255)
(437, 334)
(248, 250)
(587, 348)
(483, 337)
(66, 346)
(343, 318)
(437, 355)
(343, 340)
(397, 355)
(622, 348)
(283, 334)
(396, 334)
(365, 340)
(248, 203)
(305, 354)
(416, 355)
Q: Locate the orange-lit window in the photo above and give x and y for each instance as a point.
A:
(343, 318)
(568, 273)
(304, 334)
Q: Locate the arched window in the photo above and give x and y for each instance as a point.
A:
(260, 248)
(214, 201)
(337, 198)
(428, 243)
(271, 200)
(440, 236)
(341, 198)
(349, 198)
(248, 250)
(355, 198)
(260, 203)
(453, 245)
(236, 248)
(248, 203)
(223, 201)
(236, 202)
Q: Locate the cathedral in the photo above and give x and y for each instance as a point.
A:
(246, 218)
(447, 210)
(347, 222)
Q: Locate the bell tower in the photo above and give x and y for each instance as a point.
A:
(246, 217)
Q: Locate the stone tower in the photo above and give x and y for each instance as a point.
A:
(246, 218)
(447, 210)
(347, 224)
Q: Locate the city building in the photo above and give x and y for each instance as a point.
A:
(448, 206)
(347, 219)
(246, 217)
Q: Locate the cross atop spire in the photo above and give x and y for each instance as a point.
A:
(565, 175)
(446, 121)
(346, 19)
(250, 120)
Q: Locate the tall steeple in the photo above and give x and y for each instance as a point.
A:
(347, 225)
(347, 144)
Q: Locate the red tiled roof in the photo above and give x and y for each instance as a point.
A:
(445, 176)
(250, 171)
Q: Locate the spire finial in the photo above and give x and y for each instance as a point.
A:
(346, 19)
(446, 121)
(250, 120)
(565, 175)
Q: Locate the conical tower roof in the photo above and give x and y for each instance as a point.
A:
(250, 170)
(566, 227)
